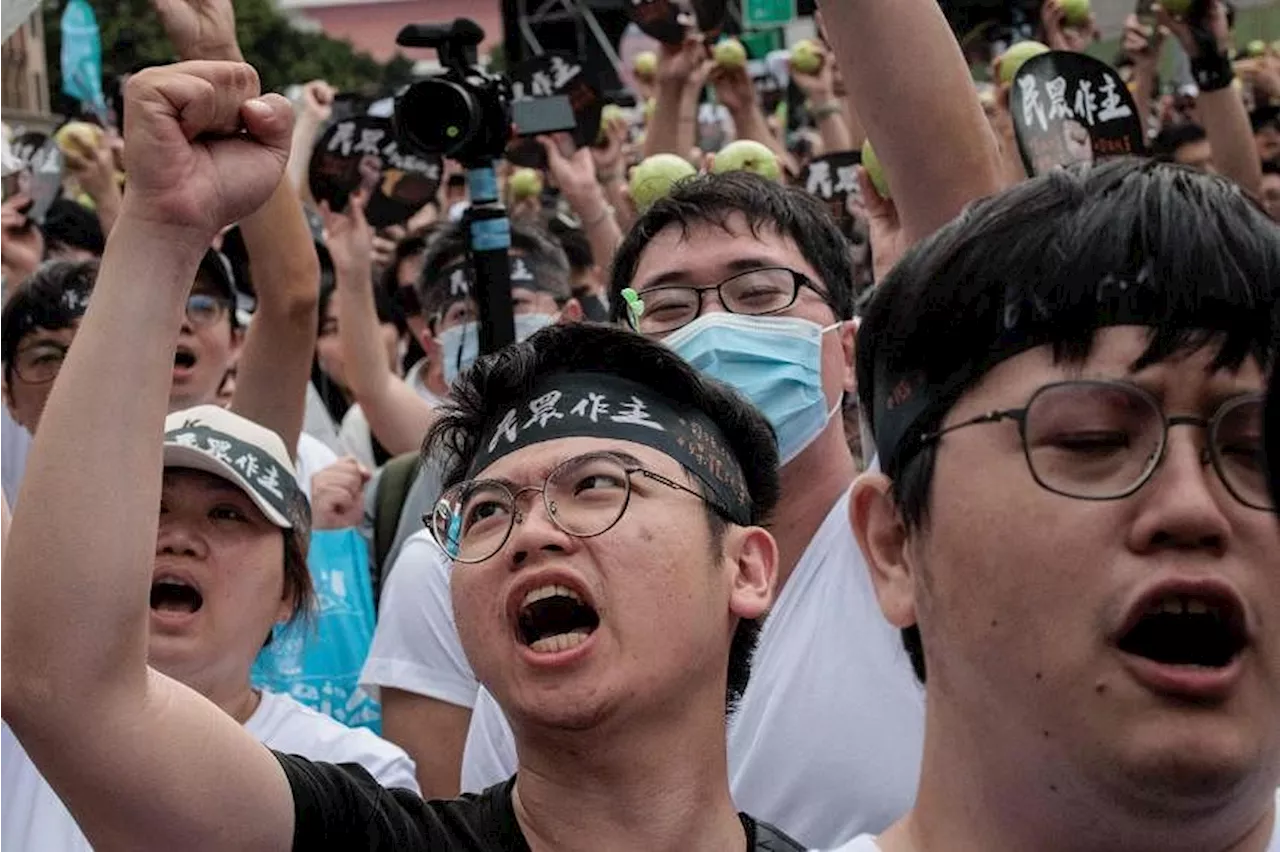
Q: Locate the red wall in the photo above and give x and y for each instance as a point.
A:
(372, 27)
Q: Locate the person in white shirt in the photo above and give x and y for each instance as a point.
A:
(1073, 526)
(227, 481)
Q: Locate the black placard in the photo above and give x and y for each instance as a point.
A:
(42, 172)
(1070, 108)
(666, 20)
(363, 151)
(834, 179)
(547, 76)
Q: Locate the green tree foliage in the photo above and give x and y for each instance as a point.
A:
(132, 38)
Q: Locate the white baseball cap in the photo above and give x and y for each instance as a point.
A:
(252, 457)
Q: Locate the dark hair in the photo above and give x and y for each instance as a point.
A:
(498, 381)
(1211, 256)
(712, 199)
(68, 223)
(1166, 144)
(449, 244)
(53, 297)
(577, 248)
(389, 281)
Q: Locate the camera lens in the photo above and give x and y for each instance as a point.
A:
(437, 116)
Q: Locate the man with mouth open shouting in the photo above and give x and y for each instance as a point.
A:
(603, 509)
(1073, 526)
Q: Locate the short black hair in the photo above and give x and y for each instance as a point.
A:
(71, 224)
(53, 297)
(483, 393)
(449, 244)
(1209, 252)
(1166, 144)
(768, 206)
(573, 239)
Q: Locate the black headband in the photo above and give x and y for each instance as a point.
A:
(905, 400)
(457, 280)
(602, 405)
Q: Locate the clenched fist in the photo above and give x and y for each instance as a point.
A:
(337, 495)
(203, 147)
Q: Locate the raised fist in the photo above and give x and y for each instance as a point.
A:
(202, 148)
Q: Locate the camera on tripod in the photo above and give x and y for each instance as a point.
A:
(464, 113)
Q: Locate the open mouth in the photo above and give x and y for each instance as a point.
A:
(1205, 631)
(555, 618)
(172, 595)
(184, 359)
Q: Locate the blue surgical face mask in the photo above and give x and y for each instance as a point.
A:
(776, 362)
(460, 344)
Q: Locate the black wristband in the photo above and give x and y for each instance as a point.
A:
(1213, 72)
(1212, 67)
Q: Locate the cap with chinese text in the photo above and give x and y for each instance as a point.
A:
(250, 456)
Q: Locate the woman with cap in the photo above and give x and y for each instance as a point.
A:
(230, 563)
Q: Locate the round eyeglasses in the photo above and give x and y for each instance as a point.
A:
(39, 363)
(756, 292)
(203, 309)
(1102, 440)
(584, 496)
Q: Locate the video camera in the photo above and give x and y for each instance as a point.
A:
(465, 113)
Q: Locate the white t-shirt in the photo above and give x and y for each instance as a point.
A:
(356, 438)
(867, 843)
(33, 818)
(13, 455)
(413, 379)
(415, 645)
(313, 456)
(827, 740)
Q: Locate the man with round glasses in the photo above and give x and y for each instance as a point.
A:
(1073, 528)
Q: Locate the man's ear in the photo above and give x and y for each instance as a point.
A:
(882, 536)
(571, 312)
(848, 338)
(752, 554)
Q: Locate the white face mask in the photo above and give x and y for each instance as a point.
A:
(460, 344)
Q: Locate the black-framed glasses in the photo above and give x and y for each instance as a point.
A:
(1102, 440)
(39, 363)
(585, 496)
(203, 309)
(756, 292)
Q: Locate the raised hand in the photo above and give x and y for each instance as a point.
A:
(734, 88)
(203, 148)
(575, 173)
(1213, 28)
(1060, 35)
(200, 29)
(22, 245)
(677, 63)
(317, 101)
(337, 495)
(349, 238)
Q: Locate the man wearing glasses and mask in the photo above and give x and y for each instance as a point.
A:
(1073, 527)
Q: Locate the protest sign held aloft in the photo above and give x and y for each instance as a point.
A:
(1070, 108)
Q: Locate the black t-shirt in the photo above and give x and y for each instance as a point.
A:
(342, 807)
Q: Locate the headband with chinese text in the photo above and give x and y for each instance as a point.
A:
(602, 405)
(456, 281)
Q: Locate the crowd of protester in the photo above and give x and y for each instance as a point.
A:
(871, 533)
